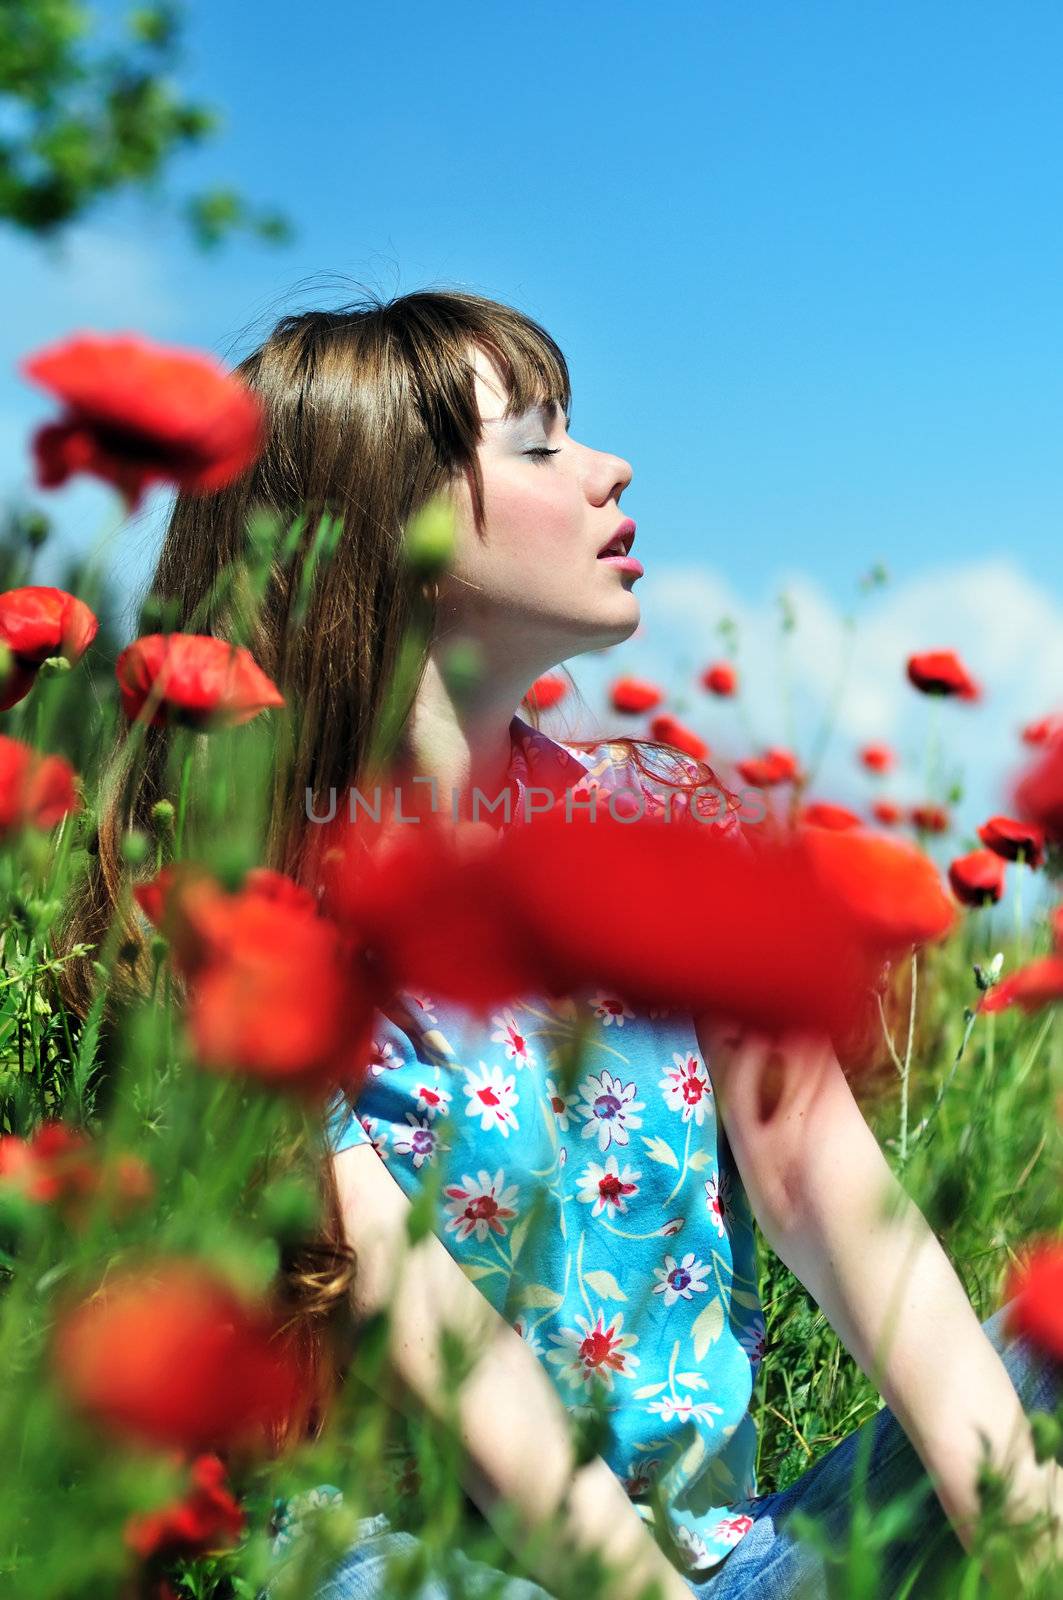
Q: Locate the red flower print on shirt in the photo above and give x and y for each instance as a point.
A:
(492, 1097)
(480, 1205)
(609, 1008)
(715, 1204)
(509, 1035)
(730, 1529)
(640, 1476)
(607, 1188)
(592, 1351)
(609, 1108)
(687, 1088)
(432, 1100)
(562, 1104)
(379, 1141)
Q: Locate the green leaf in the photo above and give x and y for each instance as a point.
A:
(538, 1295)
(660, 1150)
(707, 1328)
(603, 1283)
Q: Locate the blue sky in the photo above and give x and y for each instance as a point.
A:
(805, 261)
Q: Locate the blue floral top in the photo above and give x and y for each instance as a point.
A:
(601, 1216)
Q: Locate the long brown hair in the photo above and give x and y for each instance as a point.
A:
(371, 412)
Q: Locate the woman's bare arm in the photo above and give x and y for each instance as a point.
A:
(514, 1428)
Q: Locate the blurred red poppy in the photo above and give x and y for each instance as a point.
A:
(168, 1354)
(787, 936)
(720, 678)
(37, 622)
(35, 791)
(1056, 925)
(671, 731)
(1038, 984)
(877, 757)
(273, 990)
(822, 814)
(205, 1519)
(942, 672)
(140, 412)
(887, 812)
(1038, 795)
(1006, 836)
(60, 1165)
(777, 765)
(1044, 731)
(1035, 1294)
(634, 695)
(977, 879)
(199, 681)
(546, 692)
(930, 818)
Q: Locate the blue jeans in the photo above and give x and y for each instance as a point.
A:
(768, 1563)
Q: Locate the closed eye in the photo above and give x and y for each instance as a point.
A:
(540, 453)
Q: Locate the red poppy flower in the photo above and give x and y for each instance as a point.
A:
(942, 672)
(206, 1519)
(59, 1165)
(977, 879)
(634, 695)
(822, 814)
(1056, 924)
(1044, 731)
(720, 678)
(200, 681)
(887, 812)
(893, 890)
(153, 895)
(877, 757)
(1038, 795)
(35, 791)
(139, 412)
(170, 1355)
(1007, 837)
(930, 818)
(273, 990)
(37, 622)
(775, 766)
(1035, 1295)
(1038, 984)
(671, 731)
(795, 936)
(546, 692)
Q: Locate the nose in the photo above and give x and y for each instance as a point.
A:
(610, 478)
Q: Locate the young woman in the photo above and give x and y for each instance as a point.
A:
(595, 1238)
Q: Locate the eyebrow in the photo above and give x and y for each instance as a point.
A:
(545, 409)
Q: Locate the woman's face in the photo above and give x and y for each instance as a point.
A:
(532, 584)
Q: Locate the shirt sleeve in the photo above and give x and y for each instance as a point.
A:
(343, 1126)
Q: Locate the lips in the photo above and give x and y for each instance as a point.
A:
(620, 541)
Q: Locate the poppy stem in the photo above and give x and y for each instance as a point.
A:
(182, 799)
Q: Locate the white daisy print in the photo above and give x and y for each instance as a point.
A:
(610, 1009)
(594, 1350)
(694, 1550)
(419, 1140)
(687, 1088)
(754, 1341)
(378, 1139)
(424, 1007)
(432, 1100)
(607, 1188)
(682, 1280)
(609, 1108)
(383, 1057)
(561, 1103)
(492, 1097)
(509, 1035)
(530, 1335)
(669, 1407)
(480, 1205)
(715, 1204)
